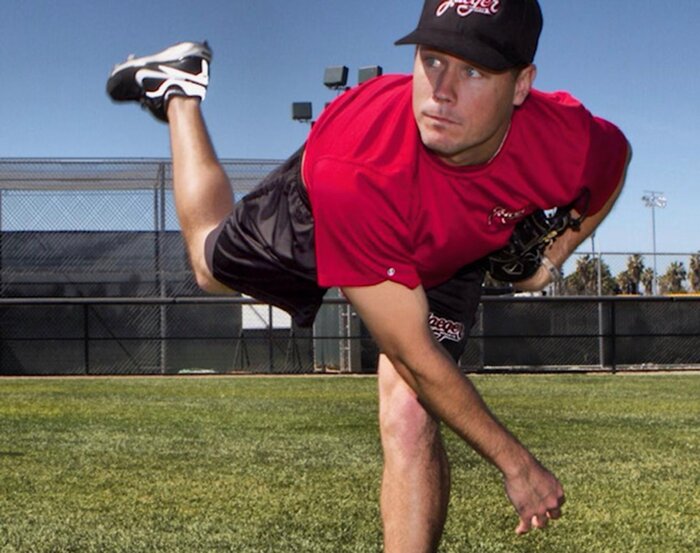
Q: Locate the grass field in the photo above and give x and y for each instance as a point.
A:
(292, 465)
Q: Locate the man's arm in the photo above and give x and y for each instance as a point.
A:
(397, 317)
(560, 250)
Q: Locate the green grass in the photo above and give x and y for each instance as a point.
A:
(293, 464)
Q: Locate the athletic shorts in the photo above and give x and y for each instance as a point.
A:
(453, 307)
(265, 249)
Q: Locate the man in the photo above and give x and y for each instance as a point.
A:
(404, 184)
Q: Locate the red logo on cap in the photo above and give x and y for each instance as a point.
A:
(468, 7)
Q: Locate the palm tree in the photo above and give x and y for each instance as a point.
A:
(635, 268)
(626, 283)
(694, 272)
(647, 280)
(584, 280)
(672, 280)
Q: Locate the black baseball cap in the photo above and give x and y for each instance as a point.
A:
(496, 34)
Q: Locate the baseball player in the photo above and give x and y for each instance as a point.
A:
(404, 185)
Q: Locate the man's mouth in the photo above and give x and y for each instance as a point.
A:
(440, 119)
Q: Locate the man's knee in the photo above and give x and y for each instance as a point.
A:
(207, 283)
(407, 429)
(201, 251)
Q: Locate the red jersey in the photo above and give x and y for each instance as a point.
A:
(387, 208)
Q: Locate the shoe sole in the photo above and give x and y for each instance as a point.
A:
(174, 53)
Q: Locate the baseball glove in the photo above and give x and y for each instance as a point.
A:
(523, 255)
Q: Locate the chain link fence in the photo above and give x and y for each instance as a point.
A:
(97, 228)
(94, 279)
(95, 336)
(91, 229)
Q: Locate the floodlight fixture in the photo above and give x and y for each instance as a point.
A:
(302, 111)
(653, 198)
(336, 77)
(369, 72)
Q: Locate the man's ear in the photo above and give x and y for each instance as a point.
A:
(523, 84)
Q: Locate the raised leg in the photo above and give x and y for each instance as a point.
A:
(203, 196)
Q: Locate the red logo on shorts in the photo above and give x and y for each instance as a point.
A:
(445, 329)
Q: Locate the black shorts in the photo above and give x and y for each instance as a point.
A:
(265, 249)
(453, 306)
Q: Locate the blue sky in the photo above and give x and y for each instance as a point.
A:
(631, 61)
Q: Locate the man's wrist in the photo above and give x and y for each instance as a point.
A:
(552, 269)
(515, 463)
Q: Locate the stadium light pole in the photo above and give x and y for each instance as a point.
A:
(654, 199)
(334, 78)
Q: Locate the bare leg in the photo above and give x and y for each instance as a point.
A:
(416, 479)
(202, 190)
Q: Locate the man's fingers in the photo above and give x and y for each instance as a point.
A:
(554, 513)
(523, 527)
(537, 521)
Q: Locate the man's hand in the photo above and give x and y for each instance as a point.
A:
(536, 495)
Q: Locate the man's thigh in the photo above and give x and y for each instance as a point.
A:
(265, 248)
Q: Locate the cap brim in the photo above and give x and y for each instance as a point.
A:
(476, 52)
(408, 39)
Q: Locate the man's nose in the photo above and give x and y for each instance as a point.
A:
(443, 89)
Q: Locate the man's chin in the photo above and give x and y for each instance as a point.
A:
(457, 154)
(440, 146)
(449, 153)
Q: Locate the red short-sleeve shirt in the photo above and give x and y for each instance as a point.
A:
(386, 208)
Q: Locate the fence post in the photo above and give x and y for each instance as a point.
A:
(159, 224)
(601, 333)
(241, 352)
(293, 358)
(86, 339)
(345, 351)
(2, 294)
(613, 337)
(606, 333)
(271, 334)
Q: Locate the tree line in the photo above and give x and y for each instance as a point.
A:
(636, 278)
(592, 276)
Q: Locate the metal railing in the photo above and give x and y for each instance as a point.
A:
(82, 336)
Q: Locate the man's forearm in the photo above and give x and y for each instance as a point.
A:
(562, 248)
(452, 397)
(397, 317)
(535, 493)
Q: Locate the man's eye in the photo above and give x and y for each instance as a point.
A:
(473, 73)
(431, 62)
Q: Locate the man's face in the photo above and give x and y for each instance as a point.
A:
(463, 112)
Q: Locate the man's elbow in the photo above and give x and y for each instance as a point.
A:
(413, 358)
